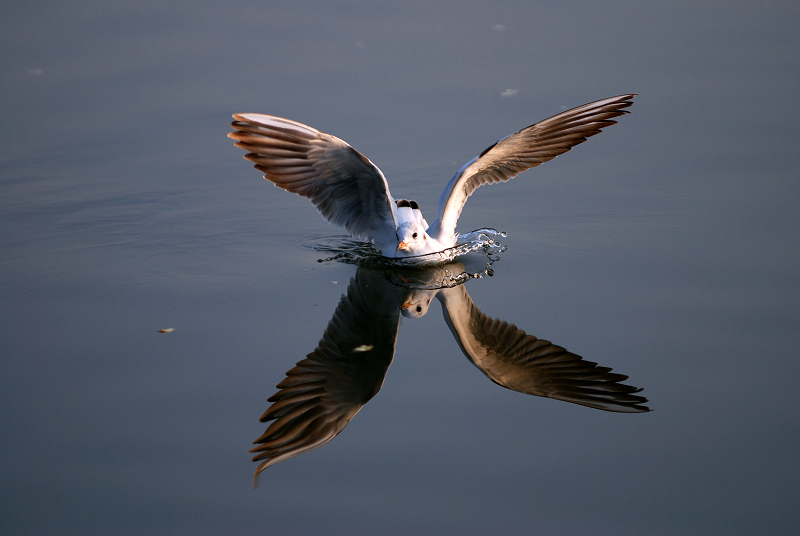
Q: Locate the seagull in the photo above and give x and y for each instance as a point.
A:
(351, 192)
(322, 393)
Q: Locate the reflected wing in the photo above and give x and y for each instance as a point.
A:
(325, 390)
(347, 189)
(527, 148)
(521, 362)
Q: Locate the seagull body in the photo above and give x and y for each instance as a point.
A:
(352, 192)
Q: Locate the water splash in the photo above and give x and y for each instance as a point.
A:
(350, 251)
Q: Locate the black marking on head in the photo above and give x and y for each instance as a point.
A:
(414, 205)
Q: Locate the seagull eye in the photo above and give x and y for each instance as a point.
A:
(419, 309)
(414, 235)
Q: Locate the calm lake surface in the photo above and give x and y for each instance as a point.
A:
(666, 248)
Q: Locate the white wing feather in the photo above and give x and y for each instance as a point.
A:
(527, 148)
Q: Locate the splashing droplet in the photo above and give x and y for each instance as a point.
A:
(349, 251)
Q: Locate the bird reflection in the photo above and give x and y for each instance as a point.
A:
(325, 390)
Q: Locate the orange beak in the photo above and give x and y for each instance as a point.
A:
(402, 245)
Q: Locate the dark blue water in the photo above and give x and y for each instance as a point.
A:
(664, 248)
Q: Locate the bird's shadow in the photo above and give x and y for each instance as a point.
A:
(324, 391)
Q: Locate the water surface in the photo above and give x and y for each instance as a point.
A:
(664, 248)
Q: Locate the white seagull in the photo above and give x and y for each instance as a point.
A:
(350, 191)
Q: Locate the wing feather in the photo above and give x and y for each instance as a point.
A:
(347, 189)
(523, 150)
(324, 391)
(524, 363)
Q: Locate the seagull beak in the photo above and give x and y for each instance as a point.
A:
(402, 245)
(405, 306)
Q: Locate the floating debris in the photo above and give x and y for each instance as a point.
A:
(168, 330)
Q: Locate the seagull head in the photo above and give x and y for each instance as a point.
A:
(417, 303)
(412, 239)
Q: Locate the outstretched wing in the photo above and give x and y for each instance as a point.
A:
(325, 390)
(347, 189)
(527, 148)
(521, 362)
